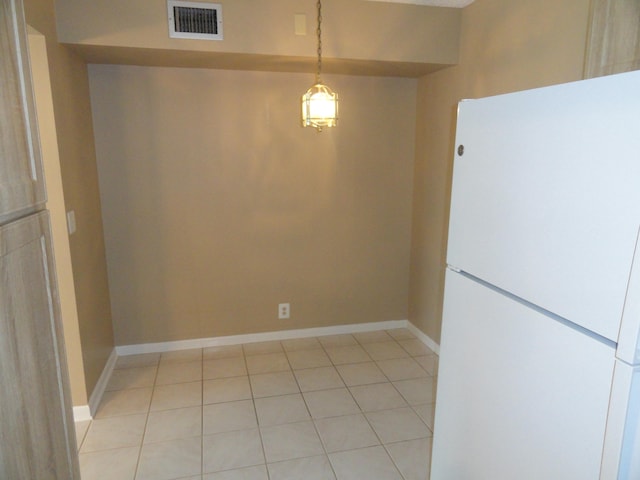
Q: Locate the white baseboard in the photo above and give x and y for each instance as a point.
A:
(424, 338)
(86, 412)
(82, 413)
(259, 337)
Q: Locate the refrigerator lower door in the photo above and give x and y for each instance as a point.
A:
(621, 456)
(520, 394)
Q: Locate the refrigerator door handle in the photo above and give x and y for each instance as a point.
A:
(629, 337)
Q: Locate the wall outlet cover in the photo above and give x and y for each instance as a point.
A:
(284, 311)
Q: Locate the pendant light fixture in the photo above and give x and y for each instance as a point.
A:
(319, 104)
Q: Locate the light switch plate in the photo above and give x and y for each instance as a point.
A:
(300, 24)
(71, 222)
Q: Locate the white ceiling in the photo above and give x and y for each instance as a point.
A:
(433, 3)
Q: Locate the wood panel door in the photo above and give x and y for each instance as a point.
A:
(21, 176)
(613, 45)
(37, 436)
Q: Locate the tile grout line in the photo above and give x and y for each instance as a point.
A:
(255, 410)
(313, 420)
(146, 422)
(322, 347)
(364, 414)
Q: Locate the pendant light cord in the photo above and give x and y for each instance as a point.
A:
(319, 32)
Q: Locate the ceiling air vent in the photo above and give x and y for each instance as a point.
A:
(195, 20)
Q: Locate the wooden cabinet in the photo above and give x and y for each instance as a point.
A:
(37, 435)
(21, 177)
(613, 45)
(37, 438)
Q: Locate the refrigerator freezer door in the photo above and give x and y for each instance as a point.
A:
(546, 198)
(520, 395)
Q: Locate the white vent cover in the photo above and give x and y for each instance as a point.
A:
(195, 20)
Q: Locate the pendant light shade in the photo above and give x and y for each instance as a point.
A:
(320, 103)
(319, 107)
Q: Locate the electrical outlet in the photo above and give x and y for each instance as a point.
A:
(284, 311)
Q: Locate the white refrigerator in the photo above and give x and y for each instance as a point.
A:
(539, 375)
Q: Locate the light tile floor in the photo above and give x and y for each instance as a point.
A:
(339, 407)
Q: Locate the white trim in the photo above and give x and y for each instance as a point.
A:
(86, 412)
(424, 338)
(263, 337)
(82, 413)
(101, 385)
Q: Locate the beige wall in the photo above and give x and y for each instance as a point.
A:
(506, 45)
(72, 111)
(56, 207)
(208, 244)
(217, 205)
(352, 29)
